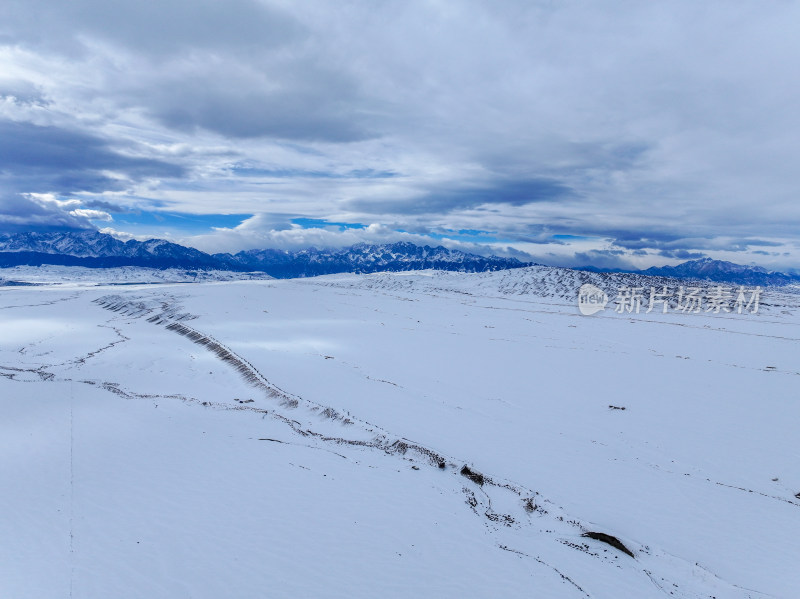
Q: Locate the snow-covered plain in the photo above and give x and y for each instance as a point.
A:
(122, 275)
(307, 438)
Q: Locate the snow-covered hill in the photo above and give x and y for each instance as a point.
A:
(125, 275)
(561, 285)
(414, 434)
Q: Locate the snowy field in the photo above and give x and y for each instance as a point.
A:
(308, 438)
(122, 275)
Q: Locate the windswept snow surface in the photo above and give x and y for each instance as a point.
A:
(122, 275)
(308, 438)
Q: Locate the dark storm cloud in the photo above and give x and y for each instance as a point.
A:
(681, 254)
(311, 104)
(609, 259)
(247, 171)
(18, 213)
(37, 159)
(237, 68)
(575, 158)
(156, 27)
(674, 242)
(105, 206)
(443, 201)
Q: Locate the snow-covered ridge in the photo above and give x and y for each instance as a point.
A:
(49, 274)
(553, 283)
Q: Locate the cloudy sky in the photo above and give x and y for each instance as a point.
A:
(611, 133)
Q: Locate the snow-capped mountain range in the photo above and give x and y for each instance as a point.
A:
(98, 250)
(722, 271)
(709, 270)
(365, 258)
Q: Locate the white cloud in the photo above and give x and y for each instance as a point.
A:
(259, 232)
(50, 200)
(121, 235)
(91, 214)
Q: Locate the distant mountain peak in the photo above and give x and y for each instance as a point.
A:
(100, 250)
(709, 269)
(97, 250)
(366, 258)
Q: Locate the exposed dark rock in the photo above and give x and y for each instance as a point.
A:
(613, 541)
(474, 476)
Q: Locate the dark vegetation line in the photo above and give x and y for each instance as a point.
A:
(382, 441)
